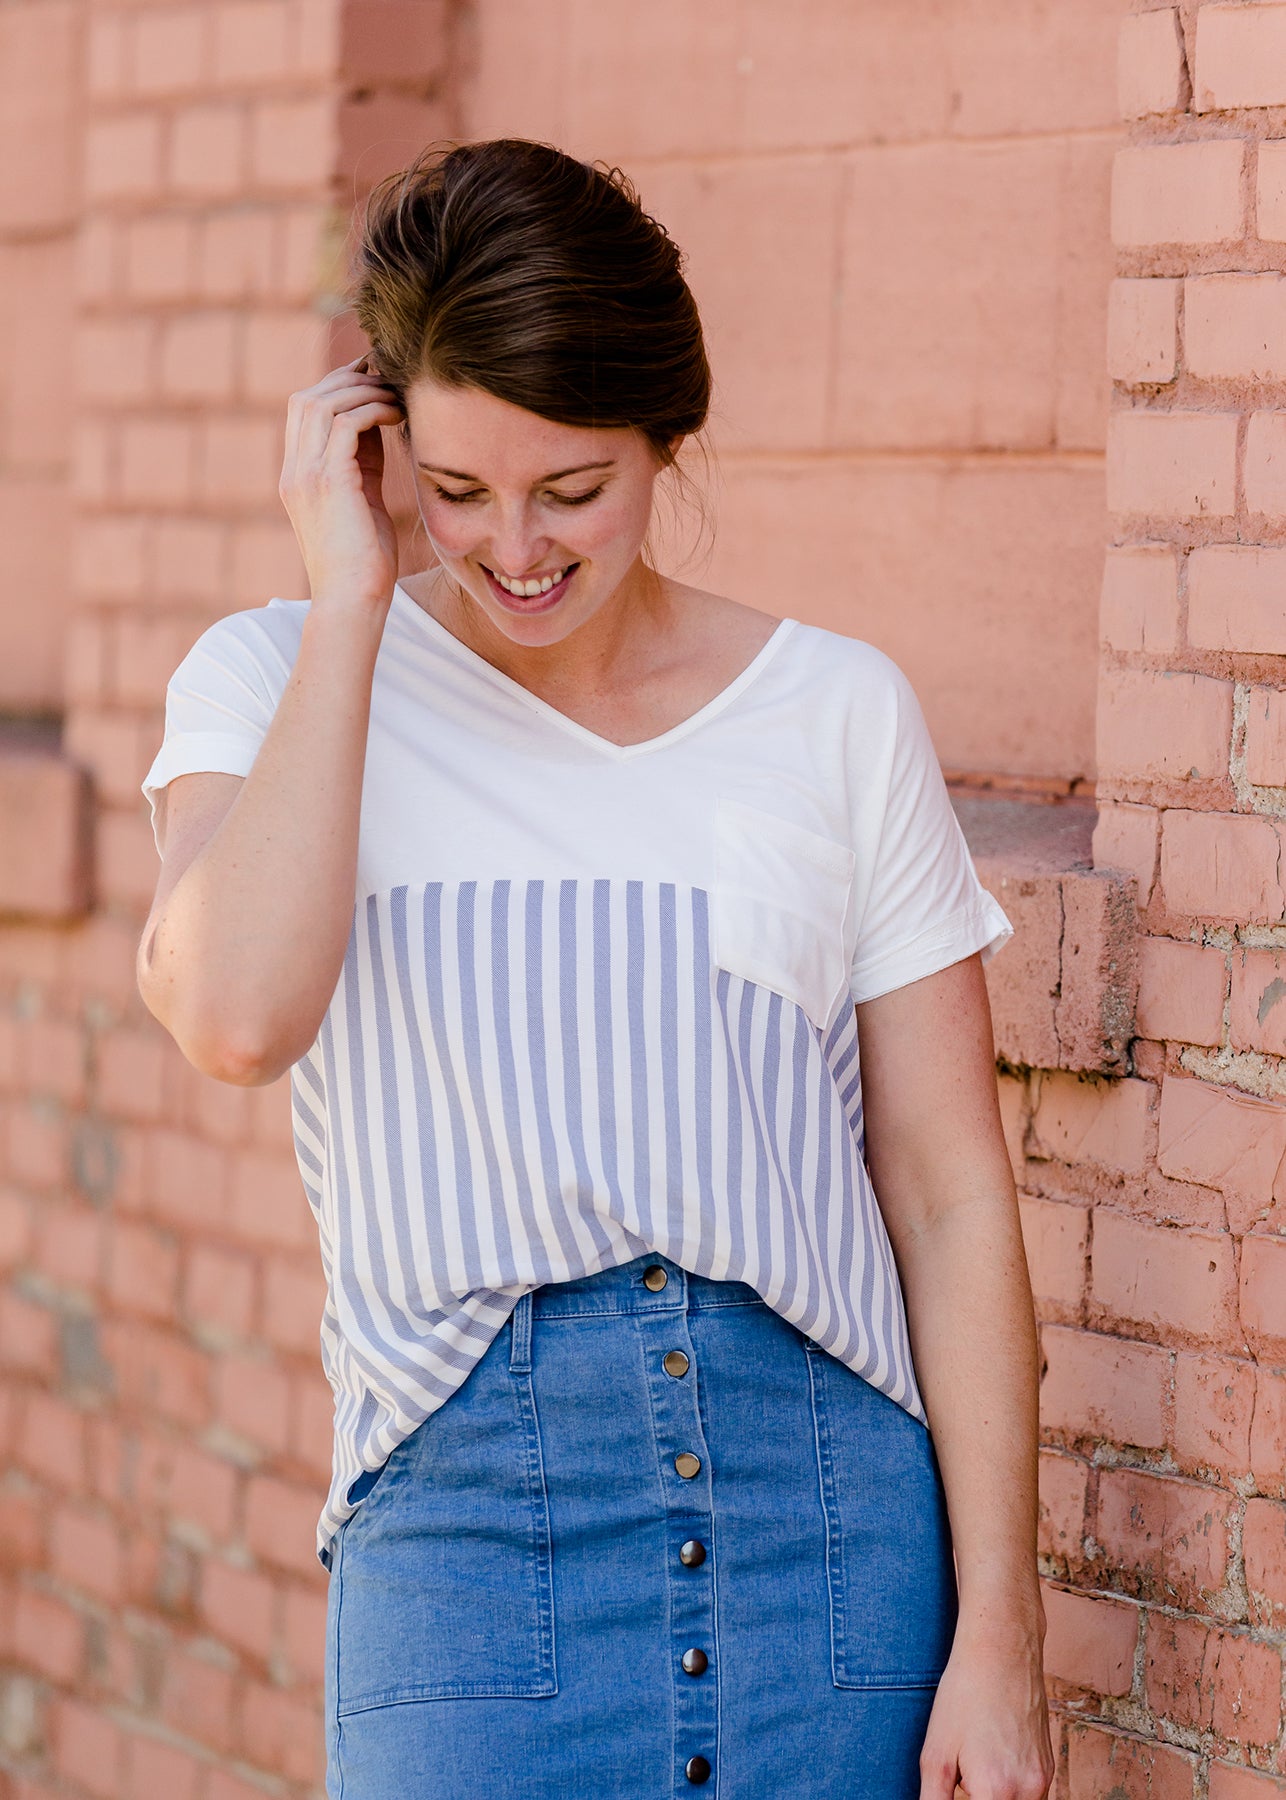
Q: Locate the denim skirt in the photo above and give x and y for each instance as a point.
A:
(659, 1540)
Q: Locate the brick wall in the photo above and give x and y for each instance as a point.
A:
(1153, 1205)
(896, 217)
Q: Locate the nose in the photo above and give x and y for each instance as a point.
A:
(517, 548)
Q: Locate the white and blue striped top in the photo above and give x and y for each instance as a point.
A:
(599, 1000)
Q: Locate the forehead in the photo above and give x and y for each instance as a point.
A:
(477, 434)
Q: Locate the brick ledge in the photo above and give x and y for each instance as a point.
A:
(1063, 991)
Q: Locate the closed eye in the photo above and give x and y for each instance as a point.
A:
(458, 499)
(578, 499)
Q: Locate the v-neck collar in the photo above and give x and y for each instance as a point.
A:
(621, 752)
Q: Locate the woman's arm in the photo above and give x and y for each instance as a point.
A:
(246, 937)
(938, 1161)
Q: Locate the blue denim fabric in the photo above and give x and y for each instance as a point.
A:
(508, 1608)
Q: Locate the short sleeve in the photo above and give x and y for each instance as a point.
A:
(924, 906)
(221, 700)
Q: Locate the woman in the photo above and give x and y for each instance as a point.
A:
(635, 1488)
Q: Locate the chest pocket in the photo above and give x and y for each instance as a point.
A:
(781, 893)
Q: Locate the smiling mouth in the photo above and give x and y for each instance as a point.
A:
(531, 594)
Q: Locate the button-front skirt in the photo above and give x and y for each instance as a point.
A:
(658, 1542)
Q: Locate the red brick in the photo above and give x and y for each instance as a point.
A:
(1264, 1548)
(1178, 194)
(207, 150)
(1152, 74)
(219, 1294)
(1142, 327)
(268, 1201)
(186, 1179)
(1214, 1403)
(1090, 1643)
(1061, 1520)
(304, 251)
(52, 1441)
(110, 557)
(1235, 326)
(388, 36)
(236, 255)
(202, 1491)
(1127, 838)
(1127, 1768)
(1234, 596)
(1264, 475)
(115, 750)
(197, 1698)
(223, 1785)
(1172, 465)
(53, 1055)
(294, 1293)
(1102, 1387)
(1173, 1534)
(239, 1607)
(85, 1552)
(252, 1399)
(106, 56)
(1258, 1019)
(1241, 57)
(24, 1521)
(266, 560)
(292, 142)
(312, 1423)
(1222, 1139)
(1182, 991)
(1055, 1235)
(1231, 1783)
(47, 1636)
(158, 1372)
(304, 1633)
(1181, 1284)
(252, 42)
(1263, 1294)
(70, 1246)
(156, 1768)
(199, 356)
(1270, 191)
(1162, 724)
(1207, 1679)
(171, 49)
(1104, 1123)
(131, 1074)
(158, 256)
(1221, 867)
(28, 1336)
(283, 1733)
(156, 461)
(114, 359)
(241, 461)
(283, 352)
(16, 1229)
(122, 156)
(1266, 737)
(144, 1272)
(87, 1748)
(281, 1523)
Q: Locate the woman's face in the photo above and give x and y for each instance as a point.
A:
(540, 524)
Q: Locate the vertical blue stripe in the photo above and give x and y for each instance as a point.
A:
(466, 1193)
(574, 1104)
(636, 968)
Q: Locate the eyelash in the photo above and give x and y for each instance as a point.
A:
(558, 499)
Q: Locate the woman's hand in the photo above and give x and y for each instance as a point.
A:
(331, 485)
(989, 1728)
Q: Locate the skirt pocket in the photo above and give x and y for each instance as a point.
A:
(443, 1581)
(889, 1562)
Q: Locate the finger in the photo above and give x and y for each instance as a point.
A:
(348, 427)
(317, 419)
(938, 1775)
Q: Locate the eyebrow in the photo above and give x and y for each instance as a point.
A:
(455, 475)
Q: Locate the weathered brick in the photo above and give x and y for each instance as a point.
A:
(1223, 1139)
(1090, 1642)
(1214, 1405)
(1173, 465)
(1220, 866)
(1163, 725)
(240, 1607)
(1180, 1284)
(1139, 606)
(1178, 193)
(281, 1523)
(1142, 327)
(1055, 1235)
(1266, 737)
(1152, 74)
(1263, 1294)
(1128, 838)
(1230, 1781)
(1182, 991)
(1264, 475)
(87, 1747)
(1258, 1019)
(1213, 1680)
(1103, 1762)
(1061, 1521)
(1263, 1542)
(1106, 1123)
(1172, 1535)
(1240, 57)
(1234, 326)
(1102, 1387)
(1270, 191)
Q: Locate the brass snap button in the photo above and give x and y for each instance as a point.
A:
(655, 1278)
(692, 1554)
(695, 1662)
(697, 1770)
(675, 1363)
(687, 1464)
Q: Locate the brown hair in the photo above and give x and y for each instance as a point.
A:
(511, 267)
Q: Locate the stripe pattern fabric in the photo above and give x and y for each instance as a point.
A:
(522, 1082)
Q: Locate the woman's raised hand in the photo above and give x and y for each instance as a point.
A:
(331, 485)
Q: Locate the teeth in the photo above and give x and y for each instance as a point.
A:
(527, 590)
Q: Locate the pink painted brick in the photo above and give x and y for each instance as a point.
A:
(1103, 1387)
(1221, 1139)
(1177, 1284)
(1182, 990)
(1128, 838)
(1264, 473)
(199, 356)
(1103, 1762)
(1263, 1295)
(1090, 1643)
(1061, 1522)
(1143, 328)
(1266, 737)
(1214, 1406)
(1270, 191)
(1235, 326)
(171, 49)
(293, 143)
(1172, 465)
(1139, 605)
(1152, 74)
(207, 150)
(1174, 1533)
(1240, 57)
(1221, 866)
(252, 42)
(123, 156)
(1105, 1123)
(1258, 1015)
(1160, 724)
(1235, 597)
(1178, 194)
